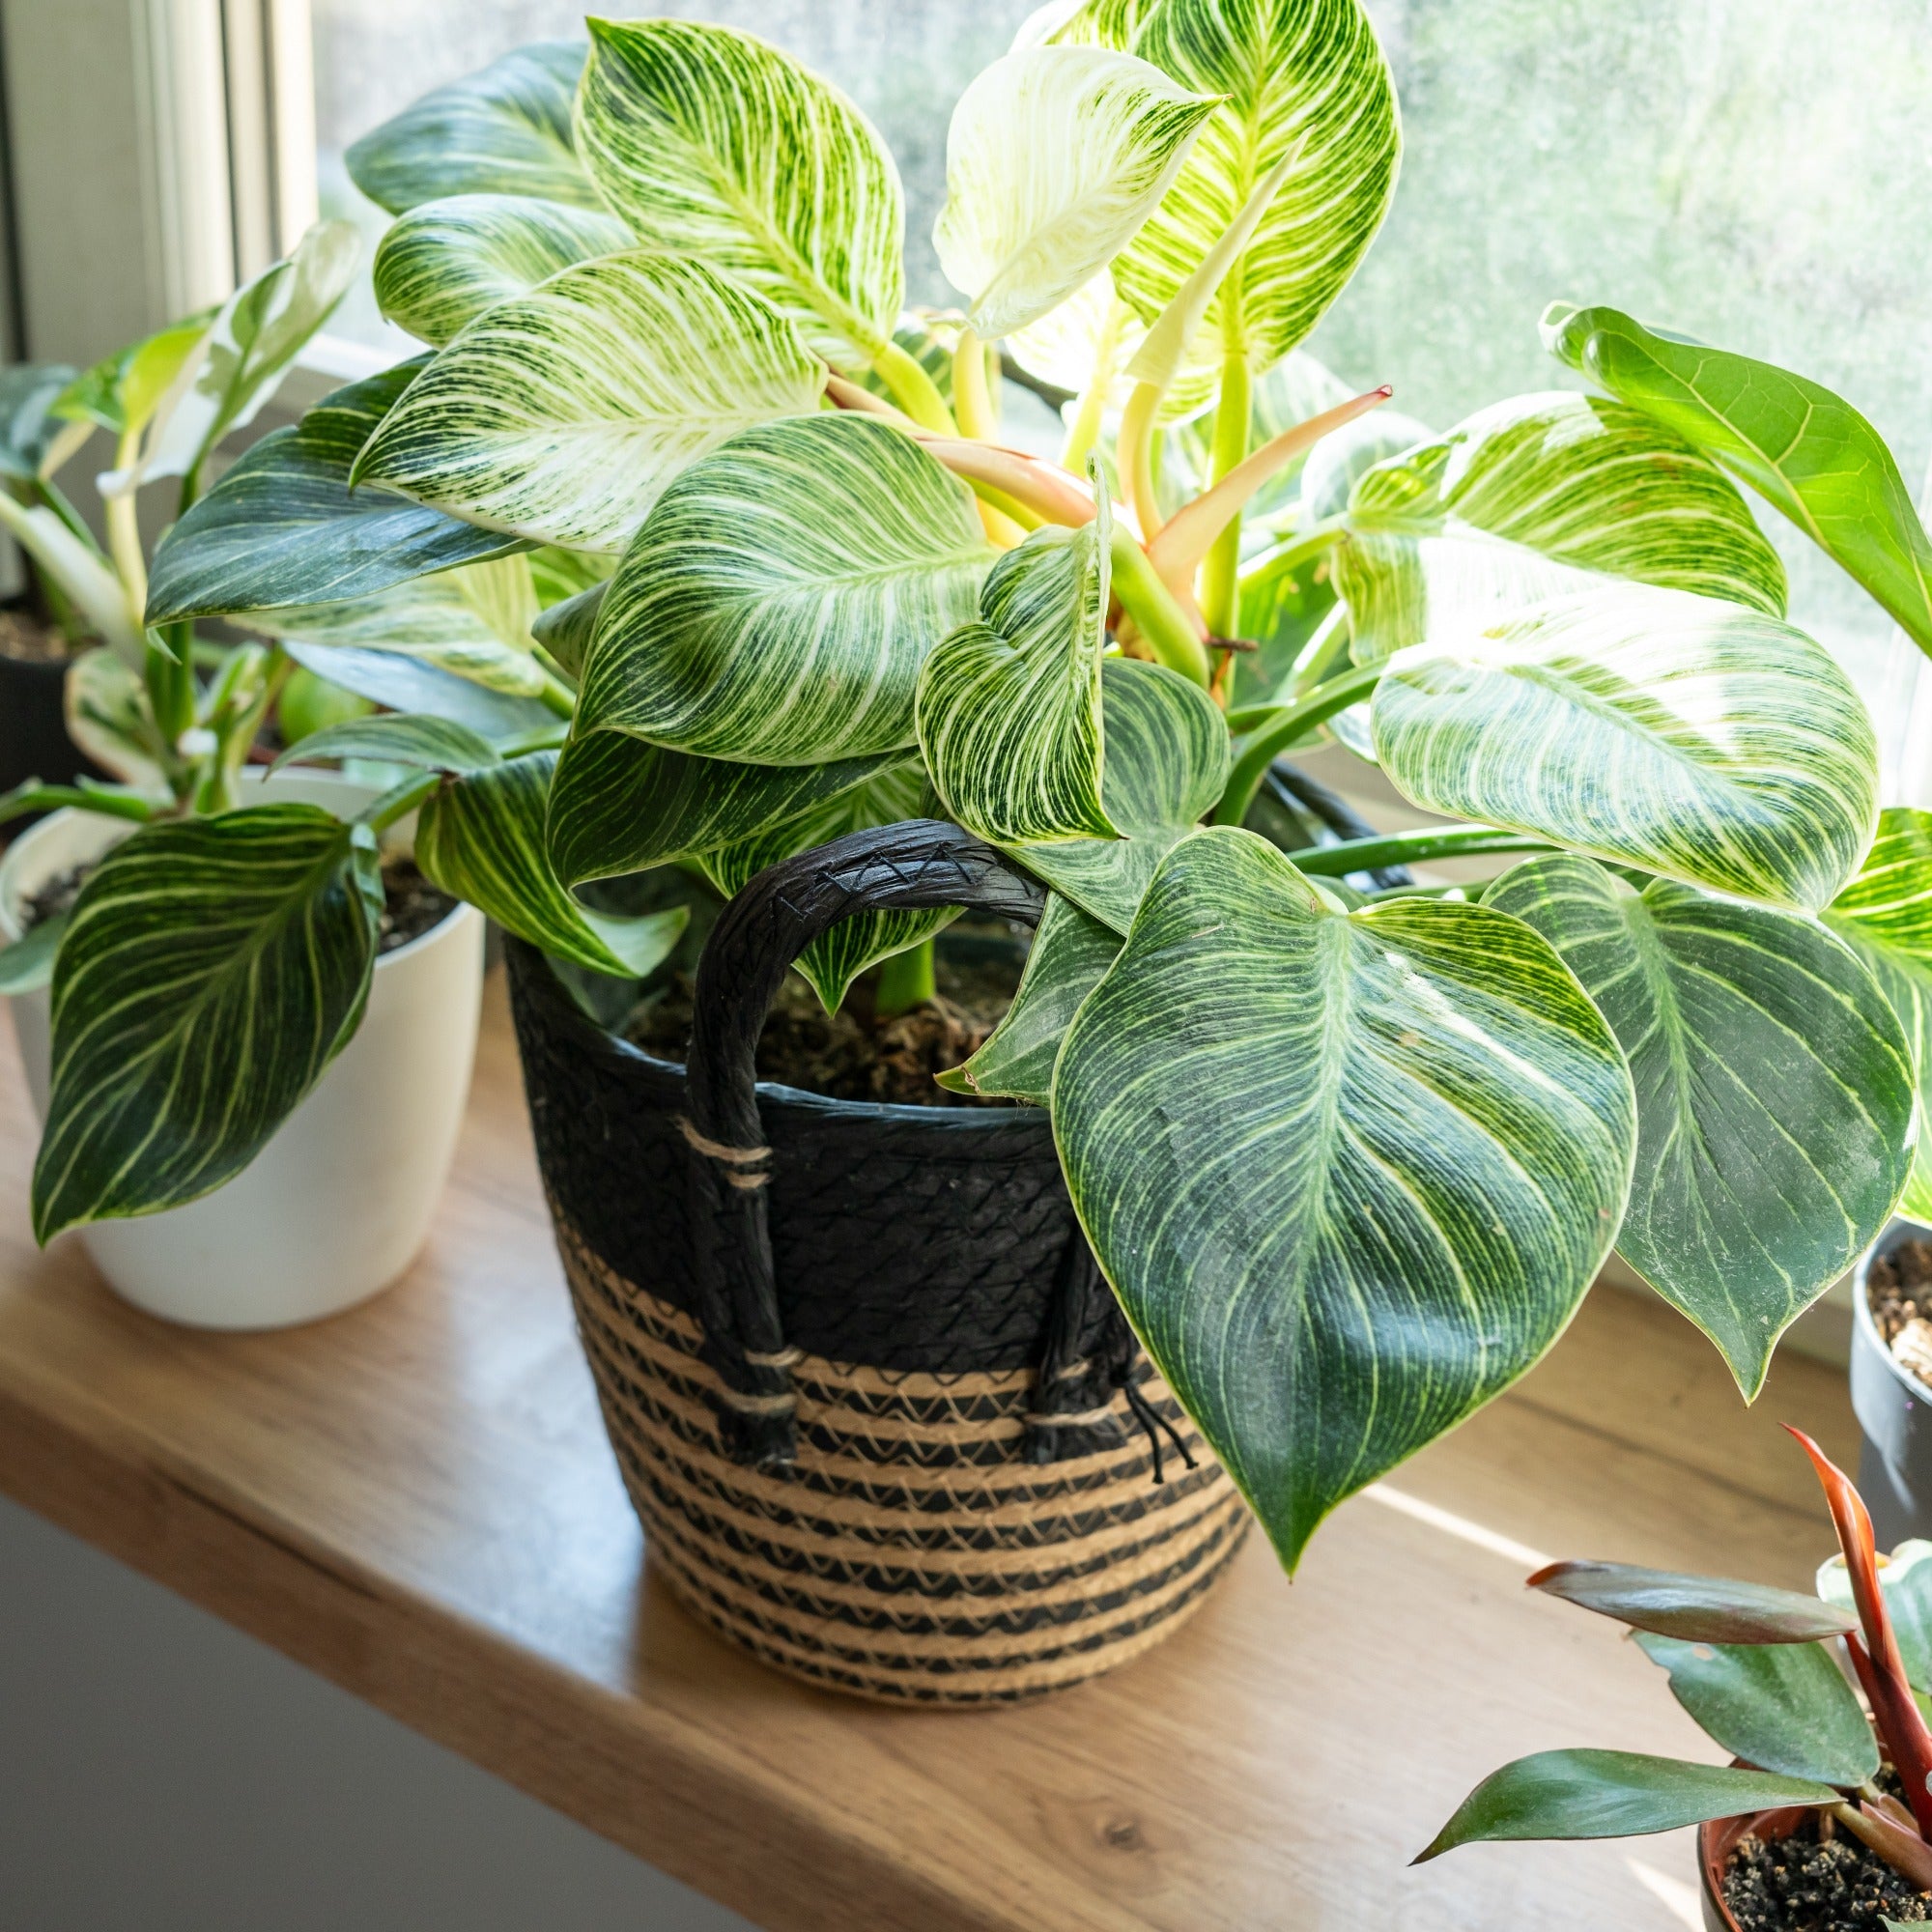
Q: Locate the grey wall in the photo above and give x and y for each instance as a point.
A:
(161, 1773)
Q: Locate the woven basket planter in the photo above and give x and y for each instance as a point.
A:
(871, 1397)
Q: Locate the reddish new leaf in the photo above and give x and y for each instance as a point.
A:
(1699, 1609)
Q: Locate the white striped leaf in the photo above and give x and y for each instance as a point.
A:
(1083, 23)
(620, 805)
(445, 262)
(433, 744)
(1008, 708)
(1306, 73)
(1054, 158)
(1070, 954)
(108, 716)
(480, 837)
(1680, 734)
(407, 684)
(716, 147)
(123, 390)
(1885, 915)
(1774, 1090)
(211, 969)
(834, 960)
(283, 527)
(1069, 345)
(1166, 766)
(561, 415)
(1533, 498)
(779, 604)
(502, 130)
(1804, 448)
(1350, 1174)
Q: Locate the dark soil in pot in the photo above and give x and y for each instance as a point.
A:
(1799, 1881)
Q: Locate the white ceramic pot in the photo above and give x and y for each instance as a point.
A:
(337, 1204)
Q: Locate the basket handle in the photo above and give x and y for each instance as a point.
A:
(921, 864)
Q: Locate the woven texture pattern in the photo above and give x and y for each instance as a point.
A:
(970, 1512)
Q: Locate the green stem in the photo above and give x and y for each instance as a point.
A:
(1158, 618)
(558, 697)
(914, 390)
(1084, 431)
(399, 800)
(972, 397)
(549, 739)
(997, 499)
(1289, 723)
(905, 980)
(1414, 848)
(1220, 573)
(1304, 546)
(32, 796)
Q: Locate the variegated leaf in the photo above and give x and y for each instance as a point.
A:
(1070, 954)
(834, 960)
(211, 969)
(1055, 157)
(1885, 915)
(1687, 736)
(123, 390)
(1083, 23)
(1167, 762)
(503, 130)
(620, 805)
(779, 604)
(282, 527)
(432, 744)
(716, 147)
(1774, 1090)
(480, 837)
(1008, 708)
(1529, 499)
(1305, 74)
(1336, 463)
(108, 716)
(565, 630)
(445, 262)
(561, 415)
(1092, 327)
(1350, 1174)
(408, 684)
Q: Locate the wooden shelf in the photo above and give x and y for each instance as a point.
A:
(415, 1499)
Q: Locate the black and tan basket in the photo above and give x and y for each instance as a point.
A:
(874, 1402)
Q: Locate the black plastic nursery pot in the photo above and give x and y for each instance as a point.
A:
(33, 725)
(1895, 1411)
(875, 1406)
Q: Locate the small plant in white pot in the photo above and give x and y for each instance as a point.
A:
(305, 1207)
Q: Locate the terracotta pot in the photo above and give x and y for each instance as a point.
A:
(1718, 1840)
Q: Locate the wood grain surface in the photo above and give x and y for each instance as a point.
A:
(415, 1499)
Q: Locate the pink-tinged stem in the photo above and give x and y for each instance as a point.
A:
(1190, 532)
(850, 395)
(1879, 1667)
(1905, 1852)
(1044, 488)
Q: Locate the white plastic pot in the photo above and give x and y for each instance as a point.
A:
(335, 1205)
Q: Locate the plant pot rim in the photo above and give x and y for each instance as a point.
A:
(1719, 1838)
(13, 856)
(1863, 1326)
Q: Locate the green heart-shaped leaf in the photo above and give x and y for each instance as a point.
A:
(435, 744)
(282, 527)
(561, 415)
(715, 147)
(211, 969)
(1602, 1794)
(480, 837)
(445, 262)
(1684, 735)
(1008, 709)
(779, 604)
(1804, 448)
(1167, 763)
(1783, 1707)
(503, 130)
(1738, 1022)
(1055, 157)
(1349, 1173)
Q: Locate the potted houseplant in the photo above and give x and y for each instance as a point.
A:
(1889, 1368)
(1342, 1161)
(1826, 1812)
(174, 716)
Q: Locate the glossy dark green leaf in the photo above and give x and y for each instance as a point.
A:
(283, 527)
(408, 684)
(1782, 1707)
(1602, 1794)
(1349, 1173)
(565, 630)
(1775, 1093)
(211, 969)
(480, 837)
(1809, 452)
(1699, 1609)
(436, 744)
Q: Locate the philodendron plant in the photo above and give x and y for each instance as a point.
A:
(1760, 1671)
(1350, 1162)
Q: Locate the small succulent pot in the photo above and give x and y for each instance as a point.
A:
(1718, 1840)
(34, 742)
(1895, 1411)
(873, 1398)
(338, 1202)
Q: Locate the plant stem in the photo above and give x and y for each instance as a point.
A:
(905, 980)
(558, 697)
(972, 399)
(399, 800)
(1084, 430)
(1134, 456)
(124, 529)
(32, 796)
(1159, 619)
(1904, 1850)
(914, 390)
(1220, 595)
(550, 738)
(1289, 723)
(1414, 848)
(1304, 546)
